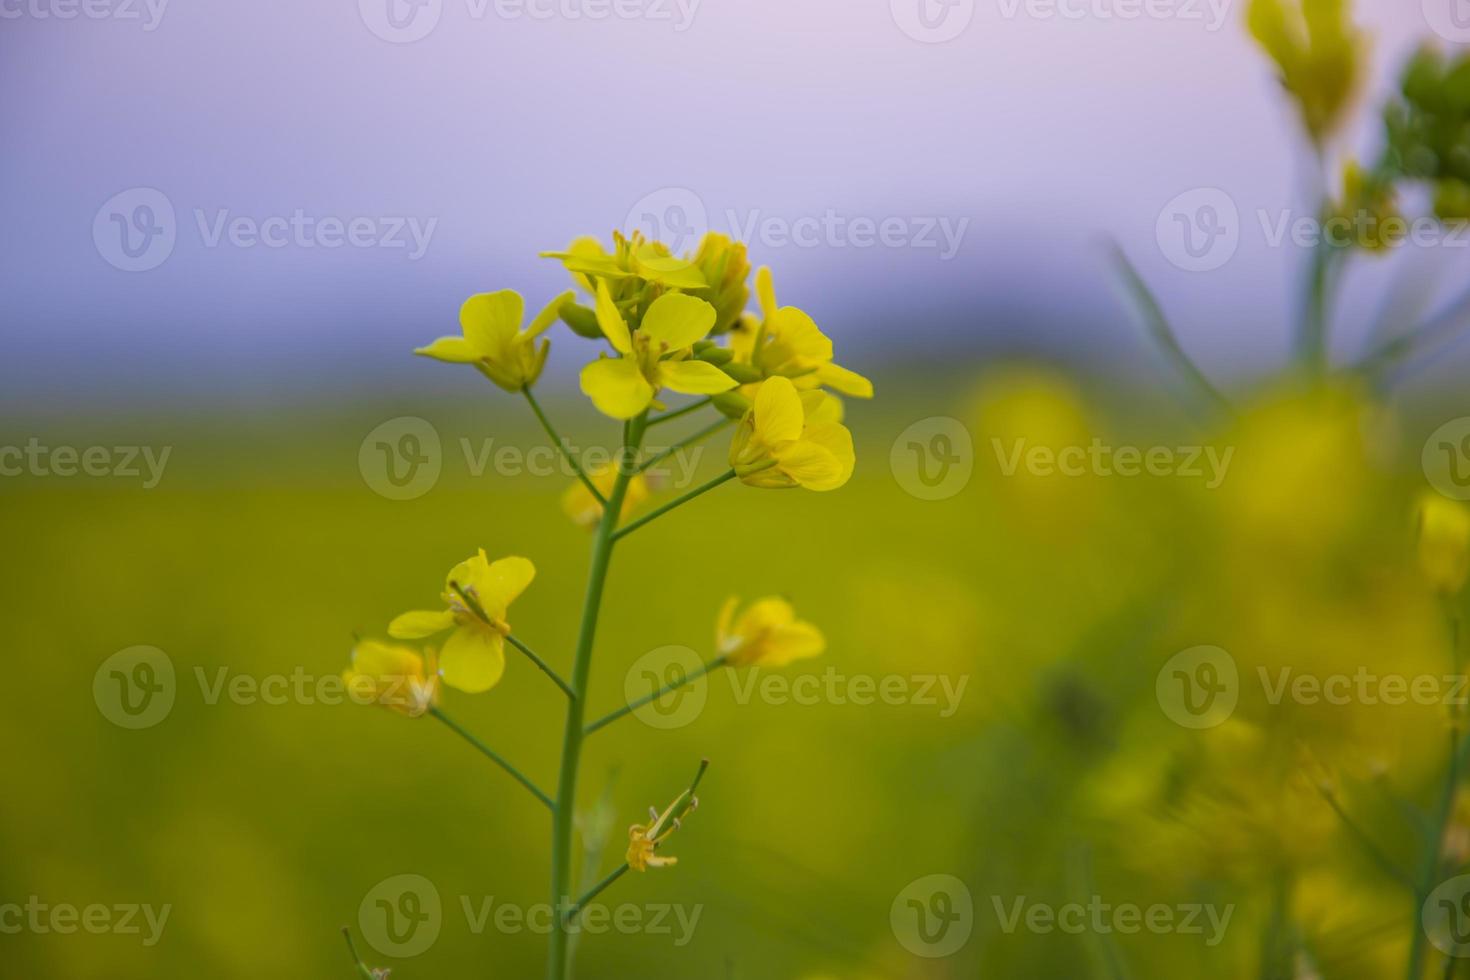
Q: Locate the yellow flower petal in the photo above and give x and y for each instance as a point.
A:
(822, 459)
(799, 337)
(454, 350)
(504, 580)
(795, 641)
(611, 321)
(848, 382)
(473, 659)
(778, 413)
(491, 320)
(675, 321)
(549, 313)
(694, 378)
(420, 623)
(765, 291)
(617, 387)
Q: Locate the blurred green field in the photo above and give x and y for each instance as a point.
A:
(1057, 599)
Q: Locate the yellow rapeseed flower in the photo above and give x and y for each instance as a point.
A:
(1444, 542)
(494, 342)
(1319, 53)
(788, 439)
(656, 355)
(585, 510)
(394, 676)
(786, 342)
(766, 634)
(477, 593)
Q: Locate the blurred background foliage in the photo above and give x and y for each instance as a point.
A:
(1059, 598)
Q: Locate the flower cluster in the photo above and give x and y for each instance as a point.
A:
(672, 325)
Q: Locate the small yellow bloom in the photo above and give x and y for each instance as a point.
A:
(1444, 542)
(477, 593)
(394, 676)
(1366, 212)
(786, 342)
(656, 355)
(643, 839)
(724, 265)
(585, 510)
(632, 258)
(1319, 53)
(788, 439)
(494, 342)
(766, 634)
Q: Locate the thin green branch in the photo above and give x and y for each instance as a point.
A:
(679, 412)
(494, 757)
(1429, 334)
(702, 434)
(1163, 333)
(545, 667)
(669, 688)
(362, 968)
(594, 891)
(671, 505)
(563, 448)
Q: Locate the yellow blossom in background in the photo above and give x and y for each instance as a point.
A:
(477, 593)
(788, 440)
(1367, 206)
(725, 267)
(493, 339)
(766, 634)
(1444, 542)
(585, 510)
(786, 342)
(1319, 54)
(656, 355)
(394, 676)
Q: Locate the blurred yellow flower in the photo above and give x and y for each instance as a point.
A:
(787, 439)
(1319, 53)
(585, 510)
(656, 355)
(1444, 542)
(394, 676)
(766, 634)
(477, 593)
(786, 342)
(494, 342)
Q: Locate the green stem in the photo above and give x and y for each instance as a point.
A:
(1163, 333)
(683, 444)
(1384, 862)
(494, 756)
(352, 948)
(558, 960)
(1312, 339)
(562, 447)
(594, 891)
(672, 504)
(679, 412)
(633, 706)
(545, 667)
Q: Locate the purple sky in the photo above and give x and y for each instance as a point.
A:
(934, 188)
